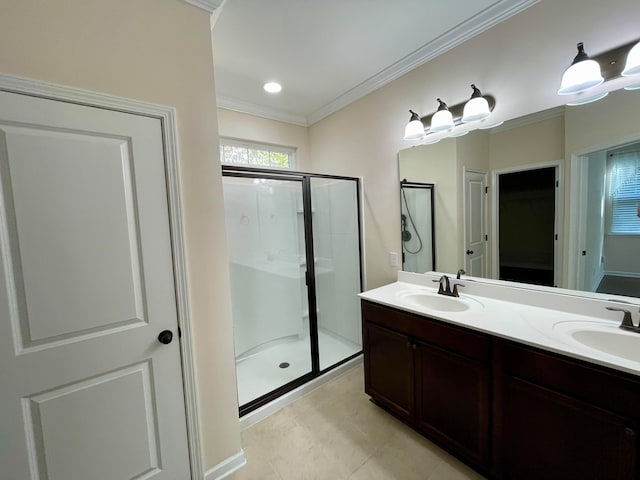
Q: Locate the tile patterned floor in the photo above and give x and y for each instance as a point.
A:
(336, 433)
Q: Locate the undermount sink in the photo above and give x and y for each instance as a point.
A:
(435, 301)
(606, 338)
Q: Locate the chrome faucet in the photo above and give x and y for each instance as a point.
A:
(627, 321)
(445, 287)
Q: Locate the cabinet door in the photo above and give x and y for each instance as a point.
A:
(388, 363)
(452, 401)
(552, 436)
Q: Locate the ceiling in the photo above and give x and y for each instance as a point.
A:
(329, 53)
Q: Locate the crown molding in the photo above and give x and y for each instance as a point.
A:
(479, 23)
(260, 111)
(206, 5)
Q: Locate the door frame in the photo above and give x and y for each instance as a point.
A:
(167, 117)
(559, 215)
(485, 214)
(574, 226)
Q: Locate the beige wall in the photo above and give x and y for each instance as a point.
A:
(513, 61)
(537, 142)
(157, 51)
(242, 126)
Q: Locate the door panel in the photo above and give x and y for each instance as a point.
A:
(388, 368)
(84, 186)
(566, 437)
(475, 228)
(114, 411)
(336, 245)
(86, 285)
(266, 238)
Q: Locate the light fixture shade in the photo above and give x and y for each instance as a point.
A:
(442, 119)
(585, 100)
(414, 129)
(581, 75)
(632, 67)
(477, 108)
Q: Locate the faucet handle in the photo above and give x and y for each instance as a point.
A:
(626, 319)
(455, 289)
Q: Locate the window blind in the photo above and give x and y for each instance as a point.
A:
(624, 193)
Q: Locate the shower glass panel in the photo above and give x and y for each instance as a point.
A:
(417, 227)
(336, 246)
(266, 240)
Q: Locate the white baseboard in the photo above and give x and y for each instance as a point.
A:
(281, 402)
(226, 467)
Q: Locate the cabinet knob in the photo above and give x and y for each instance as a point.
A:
(629, 432)
(414, 346)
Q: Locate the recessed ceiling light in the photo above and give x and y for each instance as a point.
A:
(272, 87)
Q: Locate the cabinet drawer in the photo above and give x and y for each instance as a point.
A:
(598, 385)
(457, 339)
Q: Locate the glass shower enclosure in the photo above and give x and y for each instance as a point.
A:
(294, 247)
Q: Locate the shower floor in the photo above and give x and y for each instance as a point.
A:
(260, 373)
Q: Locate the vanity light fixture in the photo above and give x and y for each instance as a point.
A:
(414, 129)
(459, 134)
(584, 101)
(586, 73)
(491, 125)
(583, 74)
(446, 118)
(477, 108)
(632, 66)
(442, 119)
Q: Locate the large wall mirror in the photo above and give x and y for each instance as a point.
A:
(562, 202)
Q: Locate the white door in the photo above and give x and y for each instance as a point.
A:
(87, 391)
(475, 242)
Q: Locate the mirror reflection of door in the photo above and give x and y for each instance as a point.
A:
(609, 187)
(475, 236)
(527, 240)
(417, 226)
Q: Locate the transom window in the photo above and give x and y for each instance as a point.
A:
(240, 152)
(624, 193)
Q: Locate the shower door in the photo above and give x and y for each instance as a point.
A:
(417, 227)
(264, 217)
(295, 266)
(336, 245)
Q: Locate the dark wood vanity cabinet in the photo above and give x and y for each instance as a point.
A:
(558, 418)
(452, 401)
(389, 369)
(432, 375)
(512, 411)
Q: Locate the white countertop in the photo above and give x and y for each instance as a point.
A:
(540, 317)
